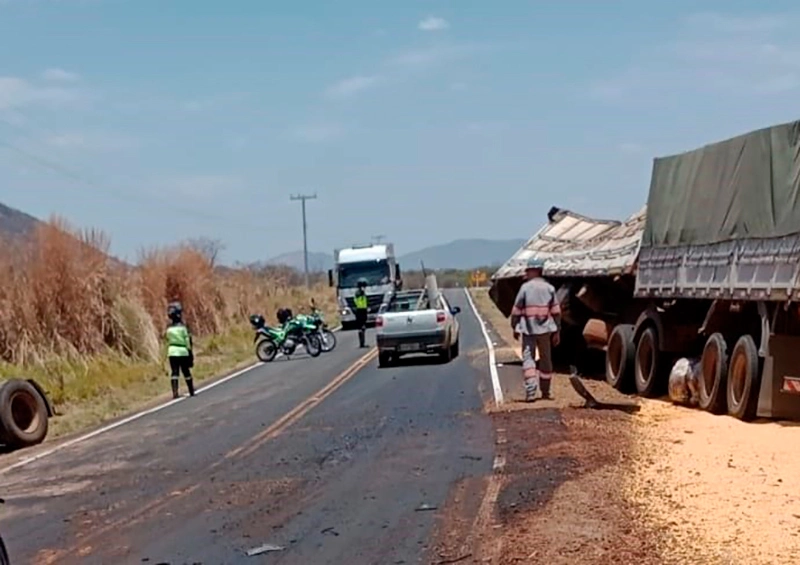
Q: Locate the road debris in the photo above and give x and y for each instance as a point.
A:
(591, 402)
(425, 508)
(449, 561)
(266, 548)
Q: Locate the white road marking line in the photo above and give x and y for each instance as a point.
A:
(498, 391)
(132, 418)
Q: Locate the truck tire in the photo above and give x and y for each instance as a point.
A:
(23, 415)
(648, 365)
(714, 375)
(744, 379)
(621, 358)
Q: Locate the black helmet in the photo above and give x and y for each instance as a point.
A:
(362, 282)
(174, 311)
(284, 315)
(257, 321)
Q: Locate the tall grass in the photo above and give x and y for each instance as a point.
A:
(66, 305)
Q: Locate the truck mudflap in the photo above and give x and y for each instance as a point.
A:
(779, 394)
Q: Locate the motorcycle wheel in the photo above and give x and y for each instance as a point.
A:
(327, 340)
(312, 345)
(266, 350)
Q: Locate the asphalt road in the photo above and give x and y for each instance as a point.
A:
(330, 461)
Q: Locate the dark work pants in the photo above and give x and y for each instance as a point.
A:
(361, 323)
(180, 365)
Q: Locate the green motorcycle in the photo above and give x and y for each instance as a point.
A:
(295, 332)
(327, 338)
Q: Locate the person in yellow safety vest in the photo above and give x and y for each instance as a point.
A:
(361, 304)
(179, 349)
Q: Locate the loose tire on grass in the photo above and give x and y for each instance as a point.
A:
(714, 375)
(649, 363)
(23, 415)
(620, 358)
(744, 379)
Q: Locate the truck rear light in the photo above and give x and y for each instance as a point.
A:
(379, 322)
(440, 317)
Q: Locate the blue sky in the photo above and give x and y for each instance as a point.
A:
(421, 120)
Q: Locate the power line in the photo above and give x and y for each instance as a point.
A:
(120, 195)
(302, 198)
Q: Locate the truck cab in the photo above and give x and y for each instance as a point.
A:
(377, 264)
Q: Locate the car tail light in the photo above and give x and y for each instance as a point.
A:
(440, 317)
(379, 322)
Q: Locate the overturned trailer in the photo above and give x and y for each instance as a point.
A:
(592, 263)
(710, 269)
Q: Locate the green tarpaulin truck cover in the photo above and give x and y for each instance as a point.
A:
(747, 187)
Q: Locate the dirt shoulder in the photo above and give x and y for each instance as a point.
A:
(557, 494)
(666, 485)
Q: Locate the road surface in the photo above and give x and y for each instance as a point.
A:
(329, 458)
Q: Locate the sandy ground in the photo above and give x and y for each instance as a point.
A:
(666, 485)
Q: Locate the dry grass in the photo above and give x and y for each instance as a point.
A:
(89, 327)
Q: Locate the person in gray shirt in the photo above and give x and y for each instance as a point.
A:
(536, 317)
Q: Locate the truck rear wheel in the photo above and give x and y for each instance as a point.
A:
(714, 375)
(744, 380)
(648, 365)
(621, 357)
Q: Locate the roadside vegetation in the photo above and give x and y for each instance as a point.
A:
(89, 328)
(446, 278)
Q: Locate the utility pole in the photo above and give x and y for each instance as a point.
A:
(302, 198)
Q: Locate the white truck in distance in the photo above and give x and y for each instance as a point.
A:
(376, 264)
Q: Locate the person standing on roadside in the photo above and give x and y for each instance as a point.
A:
(362, 304)
(179, 349)
(537, 317)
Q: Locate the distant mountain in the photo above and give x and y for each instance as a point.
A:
(459, 254)
(463, 254)
(317, 262)
(14, 223)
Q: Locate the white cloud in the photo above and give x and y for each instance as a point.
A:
(60, 75)
(402, 65)
(90, 141)
(17, 92)
(427, 57)
(351, 86)
(725, 23)
(714, 53)
(209, 102)
(199, 185)
(433, 23)
(631, 148)
(317, 133)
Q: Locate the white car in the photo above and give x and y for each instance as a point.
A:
(409, 324)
